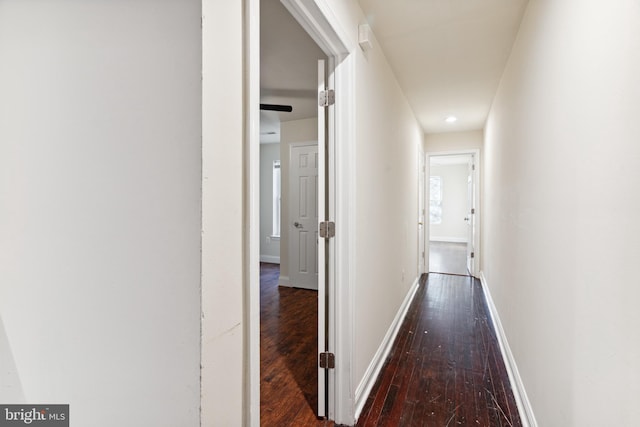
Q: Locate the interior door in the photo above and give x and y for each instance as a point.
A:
(323, 246)
(471, 217)
(421, 213)
(303, 184)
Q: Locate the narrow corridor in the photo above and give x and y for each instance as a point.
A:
(445, 368)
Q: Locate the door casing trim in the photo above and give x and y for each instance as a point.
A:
(477, 193)
(317, 18)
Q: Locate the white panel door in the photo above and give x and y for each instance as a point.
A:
(303, 208)
(471, 217)
(421, 213)
(323, 376)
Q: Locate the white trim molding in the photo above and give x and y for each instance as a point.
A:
(522, 400)
(449, 239)
(342, 289)
(320, 22)
(317, 19)
(478, 214)
(284, 281)
(252, 212)
(270, 259)
(372, 372)
(324, 27)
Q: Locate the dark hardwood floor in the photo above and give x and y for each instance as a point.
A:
(445, 368)
(448, 258)
(288, 353)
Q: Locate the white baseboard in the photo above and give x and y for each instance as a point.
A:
(448, 239)
(522, 401)
(270, 258)
(284, 281)
(371, 375)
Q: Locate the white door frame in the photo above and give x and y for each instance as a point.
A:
(476, 177)
(317, 18)
(423, 254)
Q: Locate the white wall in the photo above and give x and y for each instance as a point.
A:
(386, 203)
(269, 246)
(100, 124)
(561, 204)
(455, 204)
(292, 131)
(454, 141)
(223, 278)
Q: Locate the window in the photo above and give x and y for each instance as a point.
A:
(276, 199)
(435, 199)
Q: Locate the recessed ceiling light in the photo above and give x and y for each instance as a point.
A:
(451, 119)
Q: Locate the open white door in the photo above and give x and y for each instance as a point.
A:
(471, 217)
(422, 260)
(323, 355)
(422, 268)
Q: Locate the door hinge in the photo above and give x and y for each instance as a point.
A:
(473, 254)
(327, 229)
(326, 97)
(473, 211)
(473, 167)
(327, 360)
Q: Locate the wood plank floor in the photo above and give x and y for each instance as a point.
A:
(288, 353)
(445, 368)
(448, 258)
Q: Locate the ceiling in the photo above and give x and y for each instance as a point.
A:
(448, 55)
(288, 69)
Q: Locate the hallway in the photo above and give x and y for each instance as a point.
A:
(445, 367)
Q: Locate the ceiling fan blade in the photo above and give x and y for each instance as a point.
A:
(276, 107)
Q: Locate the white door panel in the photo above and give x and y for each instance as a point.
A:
(421, 213)
(471, 217)
(304, 216)
(323, 376)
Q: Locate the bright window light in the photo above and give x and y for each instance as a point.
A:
(277, 198)
(435, 200)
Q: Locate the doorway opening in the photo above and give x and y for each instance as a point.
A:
(337, 302)
(288, 219)
(453, 213)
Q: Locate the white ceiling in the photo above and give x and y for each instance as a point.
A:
(448, 55)
(288, 68)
